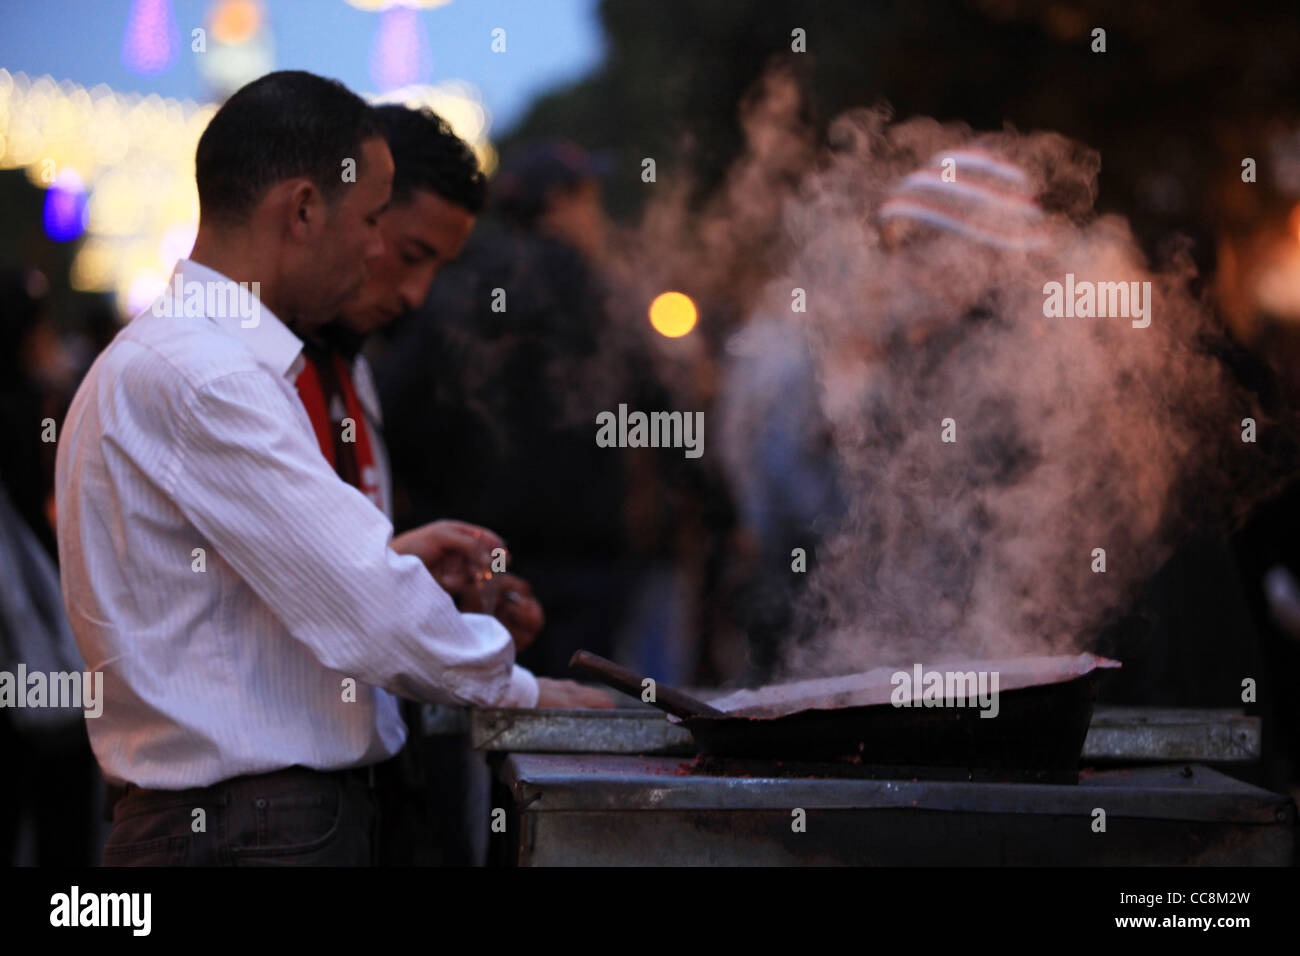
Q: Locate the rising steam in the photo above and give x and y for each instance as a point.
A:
(1072, 434)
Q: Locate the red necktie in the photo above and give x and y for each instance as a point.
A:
(325, 386)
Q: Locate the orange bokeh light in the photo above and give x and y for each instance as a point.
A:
(235, 21)
(673, 314)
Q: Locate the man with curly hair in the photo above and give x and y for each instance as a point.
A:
(432, 795)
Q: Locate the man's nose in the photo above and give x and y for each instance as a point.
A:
(415, 290)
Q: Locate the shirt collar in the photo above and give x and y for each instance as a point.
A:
(272, 342)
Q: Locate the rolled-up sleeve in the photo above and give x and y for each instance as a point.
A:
(250, 478)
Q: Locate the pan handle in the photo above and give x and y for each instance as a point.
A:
(667, 698)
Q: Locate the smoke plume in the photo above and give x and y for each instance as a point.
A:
(1069, 437)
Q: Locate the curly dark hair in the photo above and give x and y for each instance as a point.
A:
(428, 155)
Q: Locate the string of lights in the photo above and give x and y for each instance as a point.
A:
(118, 170)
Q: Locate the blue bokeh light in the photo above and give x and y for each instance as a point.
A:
(65, 207)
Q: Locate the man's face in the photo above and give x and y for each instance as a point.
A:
(420, 236)
(349, 235)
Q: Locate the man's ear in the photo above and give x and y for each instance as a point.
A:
(304, 206)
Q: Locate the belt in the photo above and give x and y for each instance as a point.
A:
(365, 776)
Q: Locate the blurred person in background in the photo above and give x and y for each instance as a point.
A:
(37, 378)
(780, 464)
(49, 776)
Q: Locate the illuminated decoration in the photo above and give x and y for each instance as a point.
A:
(240, 46)
(673, 314)
(400, 54)
(65, 207)
(135, 157)
(374, 6)
(233, 22)
(152, 41)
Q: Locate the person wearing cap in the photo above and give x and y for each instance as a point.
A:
(553, 189)
(970, 195)
(968, 192)
(966, 207)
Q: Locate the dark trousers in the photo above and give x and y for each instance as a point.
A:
(292, 817)
(434, 799)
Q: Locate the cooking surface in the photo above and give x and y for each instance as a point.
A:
(1116, 733)
(877, 686)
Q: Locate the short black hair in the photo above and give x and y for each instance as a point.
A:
(285, 124)
(428, 155)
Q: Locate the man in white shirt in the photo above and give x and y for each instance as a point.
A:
(246, 610)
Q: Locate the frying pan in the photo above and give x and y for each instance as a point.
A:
(1044, 710)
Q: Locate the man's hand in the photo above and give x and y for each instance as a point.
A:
(518, 610)
(457, 554)
(570, 695)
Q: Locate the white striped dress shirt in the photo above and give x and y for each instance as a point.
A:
(187, 434)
